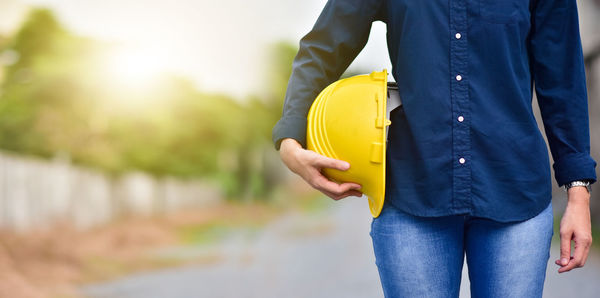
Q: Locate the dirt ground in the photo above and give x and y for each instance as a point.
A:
(55, 261)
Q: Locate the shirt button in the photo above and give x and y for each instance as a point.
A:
(461, 118)
(457, 35)
(458, 77)
(461, 160)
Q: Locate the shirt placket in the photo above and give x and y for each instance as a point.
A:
(461, 142)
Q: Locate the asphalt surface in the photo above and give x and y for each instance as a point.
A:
(328, 254)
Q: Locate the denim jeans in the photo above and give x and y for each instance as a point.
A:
(423, 256)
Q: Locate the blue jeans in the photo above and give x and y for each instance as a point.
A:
(423, 256)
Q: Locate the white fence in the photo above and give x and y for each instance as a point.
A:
(36, 193)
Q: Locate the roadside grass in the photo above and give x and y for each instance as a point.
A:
(55, 262)
(101, 268)
(217, 228)
(596, 236)
(250, 218)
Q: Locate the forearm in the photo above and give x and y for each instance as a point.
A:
(339, 34)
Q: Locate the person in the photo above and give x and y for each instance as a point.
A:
(468, 172)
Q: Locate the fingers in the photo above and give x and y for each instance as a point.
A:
(313, 163)
(582, 248)
(574, 262)
(336, 197)
(586, 252)
(321, 183)
(565, 248)
(581, 251)
(327, 162)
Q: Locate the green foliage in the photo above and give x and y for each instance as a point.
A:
(55, 99)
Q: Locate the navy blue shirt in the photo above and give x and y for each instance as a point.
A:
(465, 139)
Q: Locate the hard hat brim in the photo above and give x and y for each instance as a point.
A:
(347, 121)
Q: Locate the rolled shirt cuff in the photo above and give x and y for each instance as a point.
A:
(576, 166)
(290, 127)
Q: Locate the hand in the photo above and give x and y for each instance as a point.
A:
(308, 164)
(575, 226)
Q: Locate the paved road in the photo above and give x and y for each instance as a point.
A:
(323, 255)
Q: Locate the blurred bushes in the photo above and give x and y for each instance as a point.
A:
(57, 98)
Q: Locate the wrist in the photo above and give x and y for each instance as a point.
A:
(289, 146)
(578, 195)
(578, 184)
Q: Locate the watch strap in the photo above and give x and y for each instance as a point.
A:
(585, 183)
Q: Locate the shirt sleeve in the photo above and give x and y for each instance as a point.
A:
(339, 34)
(559, 75)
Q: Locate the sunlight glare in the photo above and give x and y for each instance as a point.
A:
(136, 67)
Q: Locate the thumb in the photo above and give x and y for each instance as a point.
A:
(565, 248)
(327, 162)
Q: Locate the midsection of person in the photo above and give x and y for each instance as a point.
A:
(473, 79)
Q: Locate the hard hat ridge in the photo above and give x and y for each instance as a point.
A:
(347, 121)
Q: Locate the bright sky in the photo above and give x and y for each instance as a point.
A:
(218, 44)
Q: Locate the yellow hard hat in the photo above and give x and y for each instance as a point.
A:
(347, 121)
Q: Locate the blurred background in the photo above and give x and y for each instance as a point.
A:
(136, 156)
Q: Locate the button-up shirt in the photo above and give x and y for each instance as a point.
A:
(465, 139)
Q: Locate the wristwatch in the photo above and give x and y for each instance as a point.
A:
(585, 183)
